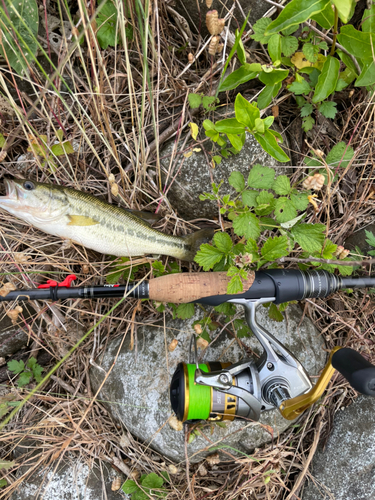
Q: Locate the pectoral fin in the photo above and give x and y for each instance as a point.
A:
(81, 220)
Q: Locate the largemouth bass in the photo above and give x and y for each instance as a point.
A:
(90, 222)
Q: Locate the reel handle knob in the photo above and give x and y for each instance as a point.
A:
(359, 372)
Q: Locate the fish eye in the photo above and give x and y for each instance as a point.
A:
(28, 185)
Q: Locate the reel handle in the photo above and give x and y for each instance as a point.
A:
(359, 372)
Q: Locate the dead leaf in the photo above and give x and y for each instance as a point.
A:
(14, 313)
(21, 258)
(172, 346)
(176, 424)
(8, 287)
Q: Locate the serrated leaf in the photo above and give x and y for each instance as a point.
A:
(259, 29)
(195, 101)
(207, 256)
(281, 185)
(284, 210)
(185, 311)
(249, 198)
(370, 238)
(37, 372)
(236, 180)
(152, 480)
(223, 242)
(340, 154)
(235, 285)
(16, 366)
(311, 52)
(261, 177)
(246, 113)
(345, 9)
(357, 43)
(239, 76)
(270, 145)
(294, 13)
(251, 247)
(289, 44)
(308, 123)
(306, 109)
(329, 250)
(327, 79)
(299, 88)
(208, 101)
(328, 109)
(300, 200)
(129, 486)
(265, 203)
(62, 149)
(274, 248)
(24, 378)
(310, 237)
(276, 315)
(106, 20)
(247, 225)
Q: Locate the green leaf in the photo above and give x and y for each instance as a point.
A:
(276, 315)
(235, 285)
(129, 486)
(367, 76)
(6, 464)
(358, 44)
(368, 20)
(273, 77)
(259, 126)
(260, 28)
(207, 256)
(106, 21)
(208, 101)
(241, 54)
(267, 94)
(269, 144)
(24, 378)
(308, 123)
(185, 311)
(340, 154)
(19, 44)
(16, 366)
(235, 140)
(370, 238)
(152, 480)
(240, 75)
(293, 222)
(265, 203)
(294, 13)
(299, 88)
(236, 180)
(329, 250)
(62, 149)
(274, 248)
(140, 495)
(310, 237)
(246, 224)
(289, 44)
(326, 17)
(281, 185)
(274, 47)
(345, 9)
(207, 124)
(328, 109)
(195, 101)
(246, 113)
(284, 210)
(300, 200)
(251, 247)
(261, 177)
(327, 79)
(37, 372)
(229, 126)
(311, 52)
(2, 140)
(306, 109)
(3, 482)
(223, 242)
(249, 198)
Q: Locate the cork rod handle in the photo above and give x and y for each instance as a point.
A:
(187, 287)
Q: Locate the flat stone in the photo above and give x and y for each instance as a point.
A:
(192, 176)
(138, 385)
(13, 337)
(358, 239)
(197, 18)
(345, 469)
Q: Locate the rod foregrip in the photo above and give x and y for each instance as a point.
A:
(190, 287)
(359, 372)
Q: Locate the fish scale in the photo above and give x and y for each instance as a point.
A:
(93, 223)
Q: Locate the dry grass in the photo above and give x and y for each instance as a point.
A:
(117, 122)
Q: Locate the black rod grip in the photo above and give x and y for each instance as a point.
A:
(359, 372)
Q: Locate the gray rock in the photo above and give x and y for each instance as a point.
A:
(138, 385)
(345, 470)
(358, 239)
(197, 19)
(72, 480)
(194, 176)
(13, 337)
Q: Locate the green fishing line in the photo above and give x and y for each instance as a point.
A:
(199, 395)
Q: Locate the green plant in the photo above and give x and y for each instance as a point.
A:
(19, 22)
(3, 482)
(150, 485)
(39, 147)
(26, 373)
(107, 26)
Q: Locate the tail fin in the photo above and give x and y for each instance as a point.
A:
(195, 240)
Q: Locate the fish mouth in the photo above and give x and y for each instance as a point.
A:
(11, 194)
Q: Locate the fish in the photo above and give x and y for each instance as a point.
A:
(93, 223)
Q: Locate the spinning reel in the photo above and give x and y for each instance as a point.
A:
(223, 391)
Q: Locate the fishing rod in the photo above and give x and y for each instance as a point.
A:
(222, 391)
